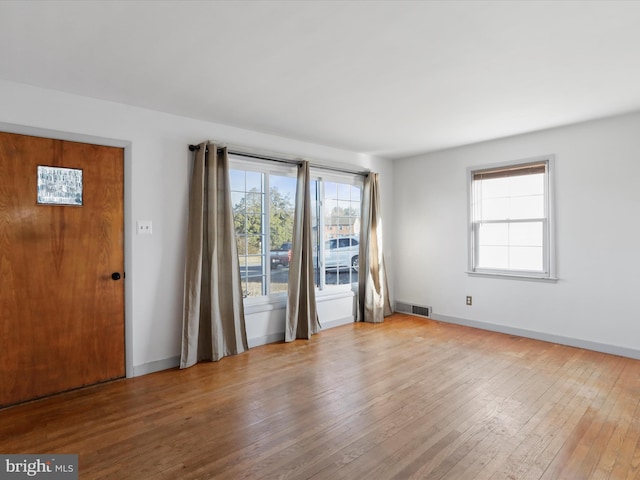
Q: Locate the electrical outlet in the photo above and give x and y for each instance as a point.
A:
(144, 227)
(469, 300)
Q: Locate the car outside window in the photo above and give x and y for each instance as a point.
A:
(336, 209)
(263, 197)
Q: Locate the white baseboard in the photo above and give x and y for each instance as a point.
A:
(546, 337)
(279, 336)
(156, 366)
(174, 362)
(264, 340)
(337, 323)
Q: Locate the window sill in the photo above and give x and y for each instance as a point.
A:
(253, 305)
(334, 294)
(514, 276)
(264, 304)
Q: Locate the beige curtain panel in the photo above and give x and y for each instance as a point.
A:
(213, 323)
(373, 292)
(302, 316)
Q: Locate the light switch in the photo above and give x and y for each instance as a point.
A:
(144, 227)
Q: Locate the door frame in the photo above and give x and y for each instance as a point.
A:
(128, 215)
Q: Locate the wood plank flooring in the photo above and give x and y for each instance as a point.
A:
(409, 398)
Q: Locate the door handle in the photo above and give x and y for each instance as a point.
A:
(115, 276)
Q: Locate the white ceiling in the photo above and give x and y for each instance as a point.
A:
(390, 78)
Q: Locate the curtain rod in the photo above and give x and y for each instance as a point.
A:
(195, 148)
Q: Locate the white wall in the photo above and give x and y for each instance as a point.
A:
(156, 188)
(594, 303)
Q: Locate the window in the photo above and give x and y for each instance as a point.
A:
(511, 230)
(263, 198)
(336, 221)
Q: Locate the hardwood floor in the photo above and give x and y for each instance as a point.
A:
(409, 398)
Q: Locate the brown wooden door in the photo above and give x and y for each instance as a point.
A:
(61, 313)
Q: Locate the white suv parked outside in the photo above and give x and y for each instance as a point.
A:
(342, 253)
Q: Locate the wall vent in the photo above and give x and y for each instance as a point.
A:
(420, 310)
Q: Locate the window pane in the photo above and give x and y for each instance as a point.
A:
(254, 224)
(279, 282)
(243, 248)
(531, 206)
(493, 257)
(251, 275)
(240, 222)
(526, 185)
(244, 286)
(341, 230)
(254, 202)
(344, 191)
(344, 207)
(526, 258)
(330, 190)
(495, 187)
(237, 180)
(517, 246)
(493, 234)
(315, 228)
(254, 286)
(254, 244)
(239, 207)
(331, 211)
(495, 209)
(281, 215)
(513, 198)
(254, 262)
(248, 218)
(254, 182)
(529, 234)
(237, 200)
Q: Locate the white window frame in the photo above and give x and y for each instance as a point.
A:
(267, 168)
(270, 301)
(319, 174)
(548, 272)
